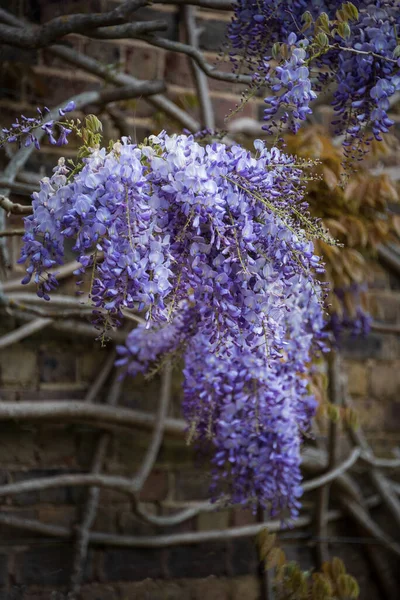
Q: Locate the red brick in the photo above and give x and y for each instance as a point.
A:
(224, 107)
(212, 588)
(56, 366)
(98, 591)
(45, 565)
(385, 305)
(242, 517)
(177, 70)
(392, 421)
(143, 62)
(133, 564)
(200, 560)
(384, 380)
(156, 487)
(192, 484)
(357, 381)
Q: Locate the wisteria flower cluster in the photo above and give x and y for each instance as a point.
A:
(214, 245)
(351, 46)
(23, 129)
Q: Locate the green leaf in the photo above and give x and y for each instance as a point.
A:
(276, 50)
(344, 30)
(322, 40)
(93, 124)
(307, 18)
(396, 52)
(338, 568)
(353, 11)
(347, 587)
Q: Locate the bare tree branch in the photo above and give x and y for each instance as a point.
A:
(19, 188)
(121, 484)
(160, 541)
(324, 491)
(12, 232)
(133, 90)
(62, 272)
(369, 526)
(379, 480)
(73, 327)
(333, 474)
(97, 68)
(197, 56)
(83, 312)
(203, 93)
(44, 35)
(177, 518)
(129, 30)
(120, 79)
(92, 500)
(23, 332)
(12, 208)
(100, 380)
(73, 411)
(160, 421)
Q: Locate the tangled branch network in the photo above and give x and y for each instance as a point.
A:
(299, 50)
(214, 245)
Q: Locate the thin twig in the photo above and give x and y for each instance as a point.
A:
(378, 479)
(12, 208)
(191, 50)
(18, 187)
(126, 31)
(200, 78)
(73, 411)
(72, 327)
(92, 500)
(159, 541)
(23, 332)
(323, 493)
(362, 518)
(62, 272)
(160, 422)
(333, 474)
(12, 232)
(100, 380)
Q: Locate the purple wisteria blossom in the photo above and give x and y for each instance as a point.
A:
(361, 67)
(23, 129)
(207, 242)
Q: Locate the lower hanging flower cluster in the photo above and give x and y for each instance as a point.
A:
(213, 245)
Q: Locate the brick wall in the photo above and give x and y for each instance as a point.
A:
(53, 366)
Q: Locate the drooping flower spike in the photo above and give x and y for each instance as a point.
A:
(214, 246)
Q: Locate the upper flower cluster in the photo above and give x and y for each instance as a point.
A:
(360, 61)
(213, 244)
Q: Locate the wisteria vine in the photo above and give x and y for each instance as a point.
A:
(214, 246)
(299, 50)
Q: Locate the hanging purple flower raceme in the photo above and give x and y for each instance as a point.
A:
(23, 129)
(211, 243)
(361, 65)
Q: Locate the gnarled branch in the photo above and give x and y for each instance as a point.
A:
(45, 35)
